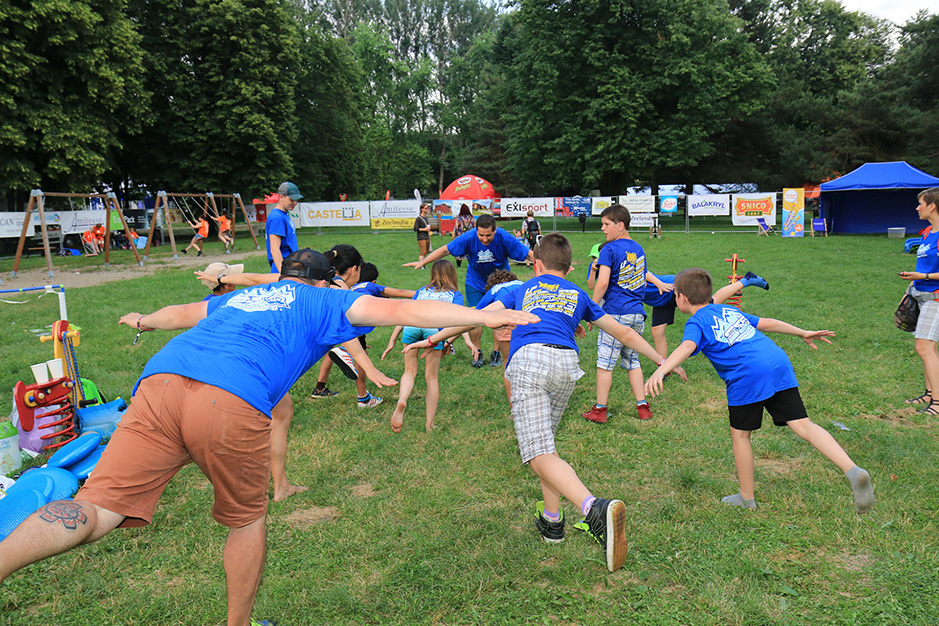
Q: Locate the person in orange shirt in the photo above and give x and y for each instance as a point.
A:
(202, 233)
(224, 231)
(99, 232)
(91, 243)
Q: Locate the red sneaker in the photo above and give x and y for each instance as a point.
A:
(645, 411)
(595, 415)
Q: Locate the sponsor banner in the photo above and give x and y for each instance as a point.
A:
(643, 220)
(638, 204)
(444, 208)
(480, 207)
(395, 214)
(711, 204)
(572, 207)
(793, 212)
(747, 207)
(331, 214)
(519, 207)
(668, 204)
(11, 224)
(601, 202)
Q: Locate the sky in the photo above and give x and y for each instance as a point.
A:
(897, 11)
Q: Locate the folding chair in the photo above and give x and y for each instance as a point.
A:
(764, 228)
(819, 225)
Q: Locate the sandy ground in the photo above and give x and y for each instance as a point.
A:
(96, 275)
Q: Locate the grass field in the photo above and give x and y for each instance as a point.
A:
(437, 528)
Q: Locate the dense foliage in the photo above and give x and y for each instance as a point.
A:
(540, 97)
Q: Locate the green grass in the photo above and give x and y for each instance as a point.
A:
(437, 528)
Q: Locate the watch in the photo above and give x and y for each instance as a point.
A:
(219, 278)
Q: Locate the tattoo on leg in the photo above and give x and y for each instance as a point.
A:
(69, 514)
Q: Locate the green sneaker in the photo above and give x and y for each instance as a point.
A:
(551, 532)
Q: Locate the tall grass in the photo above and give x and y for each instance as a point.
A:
(425, 528)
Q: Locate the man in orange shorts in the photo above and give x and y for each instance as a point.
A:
(207, 397)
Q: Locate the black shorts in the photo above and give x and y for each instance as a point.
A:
(664, 314)
(784, 407)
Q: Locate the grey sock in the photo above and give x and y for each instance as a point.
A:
(862, 488)
(737, 500)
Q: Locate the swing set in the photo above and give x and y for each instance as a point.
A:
(204, 201)
(37, 199)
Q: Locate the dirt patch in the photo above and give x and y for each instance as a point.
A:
(312, 516)
(98, 274)
(900, 417)
(783, 467)
(363, 490)
(852, 562)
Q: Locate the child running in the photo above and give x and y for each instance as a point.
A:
(543, 369)
(758, 375)
(442, 287)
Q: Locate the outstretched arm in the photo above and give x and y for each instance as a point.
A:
(674, 360)
(660, 284)
(173, 317)
(240, 280)
(439, 253)
(768, 324)
(392, 341)
(362, 361)
(628, 337)
(394, 292)
(446, 333)
(371, 311)
(601, 283)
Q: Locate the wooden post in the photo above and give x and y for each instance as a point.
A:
(244, 212)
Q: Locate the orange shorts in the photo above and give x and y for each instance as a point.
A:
(423, 246)
(173, 421)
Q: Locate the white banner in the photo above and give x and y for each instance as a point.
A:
(391, 209)
(643, 220)
(638, 204)
(711, 204)
(601, 202)
(71, 222)
(334, 213)
(519, 207)
(748, 207)
(11, 224)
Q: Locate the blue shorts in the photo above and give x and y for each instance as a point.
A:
(473, 296)
(412, 334)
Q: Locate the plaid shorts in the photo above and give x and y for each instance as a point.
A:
(609, 350)
(543, 380)
(927, 326)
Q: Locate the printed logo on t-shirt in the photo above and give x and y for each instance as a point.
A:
(262, 299)
(732, 327)
(550, 297)
(632, 272)
(485, 256)
(924, 248)
(430, 294)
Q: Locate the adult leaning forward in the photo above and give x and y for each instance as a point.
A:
(487, 248)
(925, 288)
(207, 397)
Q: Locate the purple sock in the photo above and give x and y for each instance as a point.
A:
(552, 517)
(587, 504)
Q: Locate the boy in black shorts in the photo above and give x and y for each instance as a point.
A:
(758, 375)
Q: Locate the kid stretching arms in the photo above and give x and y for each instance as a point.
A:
(442, 287)
(758, 374)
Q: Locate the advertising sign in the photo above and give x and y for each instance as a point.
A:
(709, 205)
(399, 214)
(519, 207)
(668, 204)
(793, 212)
(601, 202)
(747, 207)
(572, 207)
(638, 204)
(332, 213)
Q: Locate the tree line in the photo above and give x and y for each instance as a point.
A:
(541, 97)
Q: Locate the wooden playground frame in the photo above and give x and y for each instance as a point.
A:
(208, 199)
(36, 199)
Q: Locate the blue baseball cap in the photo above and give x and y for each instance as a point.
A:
(290, 190)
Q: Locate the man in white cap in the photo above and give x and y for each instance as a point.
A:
(281, 233)
(218, 270)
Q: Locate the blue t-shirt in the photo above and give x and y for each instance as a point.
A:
(927, 261)
(490, 296)
(426, 293)
(559, 303)
(627, 263)
(652, 297)
(369, 288)
(280, 224)
(484, 260)
(752, 366)
(256, 342)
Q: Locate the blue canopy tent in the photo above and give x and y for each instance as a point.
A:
(875, 197)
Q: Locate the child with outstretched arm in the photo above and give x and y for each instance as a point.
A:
(758, 375)
(543, 368)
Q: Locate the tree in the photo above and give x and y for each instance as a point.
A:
(71, 76)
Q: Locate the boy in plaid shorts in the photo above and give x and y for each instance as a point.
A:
(620, 286)
(543, 368)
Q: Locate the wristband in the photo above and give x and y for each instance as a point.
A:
(433, 344)
(139, 330)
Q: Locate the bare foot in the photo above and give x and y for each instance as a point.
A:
(286, 492)
(397, 418)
